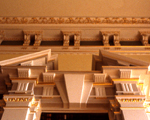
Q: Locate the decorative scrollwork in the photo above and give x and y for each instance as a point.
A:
(73, 20)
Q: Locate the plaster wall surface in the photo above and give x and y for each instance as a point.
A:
(15, 114)
(133, 8)
(74, 62)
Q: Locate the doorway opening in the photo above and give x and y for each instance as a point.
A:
(74, 116)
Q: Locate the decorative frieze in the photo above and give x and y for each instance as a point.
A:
(131, 100)
(24, 72)
(73, 20)
(13, 99)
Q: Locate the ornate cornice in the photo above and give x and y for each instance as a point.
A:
(32, 32)
(110, 32)
(73, 20)
(71, 32)
(144, 32)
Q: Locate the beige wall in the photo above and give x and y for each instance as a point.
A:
(67, 62)
(8, 56)
(137, 8)
(70, 62)
(145, 58)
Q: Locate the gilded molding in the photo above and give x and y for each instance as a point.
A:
(131, 100)
(18, 99)
(35, 104)
(73, 20)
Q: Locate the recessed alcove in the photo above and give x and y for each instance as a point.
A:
(111, 40)
(131, 43)
(12, 43)
(74, 116)
(91, 43)
(32, 39)
(52, 43)
(71, 40)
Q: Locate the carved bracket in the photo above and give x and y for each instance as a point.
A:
(66, 38)
(145, 35)
(106, 35)
(27, 38)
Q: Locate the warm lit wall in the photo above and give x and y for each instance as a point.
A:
(70, 62)
(66, 62)
(8, 56)
(132, 8)
(140, 57)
